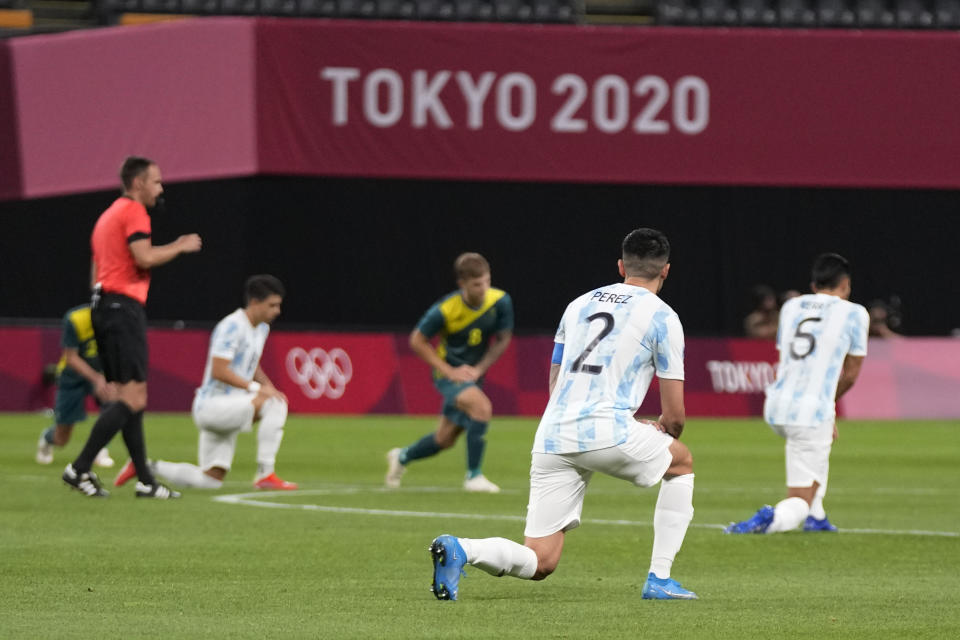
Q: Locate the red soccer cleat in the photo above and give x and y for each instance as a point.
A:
(273, 482)
(126, 473)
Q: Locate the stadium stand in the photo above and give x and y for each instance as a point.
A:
(32, 16)
(15, 17)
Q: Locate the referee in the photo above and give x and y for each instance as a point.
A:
(123, 256)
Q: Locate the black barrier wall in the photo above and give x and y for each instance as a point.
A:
(358, 253)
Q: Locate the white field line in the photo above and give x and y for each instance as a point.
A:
(105, 474)
(263, 499)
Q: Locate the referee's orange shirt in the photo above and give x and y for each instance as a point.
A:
(123, 222)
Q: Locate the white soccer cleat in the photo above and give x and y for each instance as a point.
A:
(44, 451)
(480, 484)
(395, 470)
(103, 459)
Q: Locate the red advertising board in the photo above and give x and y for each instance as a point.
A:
(240, 96)
(701, 106)
(363, 373)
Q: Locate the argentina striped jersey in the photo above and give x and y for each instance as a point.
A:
(236, 340)
(614, 339)
(816, 332)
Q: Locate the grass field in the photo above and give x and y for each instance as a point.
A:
(343, 558)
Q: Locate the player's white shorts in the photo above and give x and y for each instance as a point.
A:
(220, 419)
(558, 481)
(807, 453)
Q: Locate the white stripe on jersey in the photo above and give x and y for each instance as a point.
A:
(236, 340)
(815, 334)
(615, 338)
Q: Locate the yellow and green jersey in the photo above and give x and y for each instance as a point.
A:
(465, 331)
(78, 334)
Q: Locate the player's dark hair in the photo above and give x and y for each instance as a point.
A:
(132, 167)
(261, 287)
(470, 265)
(645, 253)
(829, 269)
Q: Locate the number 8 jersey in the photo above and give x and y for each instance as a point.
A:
(816, 332)
(610, 343)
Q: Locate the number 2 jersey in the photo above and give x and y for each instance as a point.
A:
(610, 343)
(816, 332)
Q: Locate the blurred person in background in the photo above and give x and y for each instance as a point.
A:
(884, 316)
(761, 322)
(78, 374)
(475, 326)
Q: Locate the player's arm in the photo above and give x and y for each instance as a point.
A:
(851, 370)
(421, 346)
(495, 351)
(266, 385)
(78, 364)
(220, 371)
(554, 375)
(673, 414)
(147, 255)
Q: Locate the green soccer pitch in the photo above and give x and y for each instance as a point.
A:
(344, 558)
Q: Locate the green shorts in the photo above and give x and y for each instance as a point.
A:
(450, 390)
(70, 404)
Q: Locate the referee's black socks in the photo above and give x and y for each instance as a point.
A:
(137, 446)
(114, 417)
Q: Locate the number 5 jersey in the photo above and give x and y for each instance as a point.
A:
(816, 332)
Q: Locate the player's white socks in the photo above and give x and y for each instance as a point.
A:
(273, 415)
(788, 514)
(816, 507)
(499, 557)
(671, 518)
(184, 474)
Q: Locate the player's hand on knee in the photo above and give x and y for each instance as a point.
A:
(273, 392)
(464, 373)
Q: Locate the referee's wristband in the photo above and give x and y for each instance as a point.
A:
(253, 387)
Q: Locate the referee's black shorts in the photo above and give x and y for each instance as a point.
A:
(120, 327)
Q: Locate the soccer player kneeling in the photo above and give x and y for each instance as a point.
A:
(235, 392)
(822, 340)
(610, 343)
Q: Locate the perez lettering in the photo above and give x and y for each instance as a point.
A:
(606, 296)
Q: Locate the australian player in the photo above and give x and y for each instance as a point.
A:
(79, 375)
(822, 338)
(474, 324)
(610, 344)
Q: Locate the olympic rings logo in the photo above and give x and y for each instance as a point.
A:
(320, 373)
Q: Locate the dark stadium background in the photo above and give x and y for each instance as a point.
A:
(373, 254)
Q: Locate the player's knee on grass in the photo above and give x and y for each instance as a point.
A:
(548, 552)
(216, 473)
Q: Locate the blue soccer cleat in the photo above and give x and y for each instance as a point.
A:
(665, 589)
(812, 524)
(757, 523)
(448, 561)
